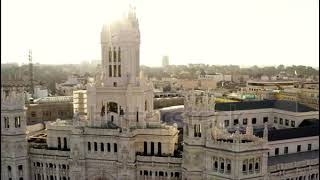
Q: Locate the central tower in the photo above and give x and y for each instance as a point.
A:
(120, 97)
(120, 42)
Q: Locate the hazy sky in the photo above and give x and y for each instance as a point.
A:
(242, 32)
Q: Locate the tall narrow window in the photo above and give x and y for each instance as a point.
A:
(152, 148)
(114, 70)
(285, 150)
(309, 147)
(119, 54)
(115, 147)
(293, 123)
(265, 119)
(59, 143)
(145, 105)
(145, 148)
(198, 130)
(89, 146)
(137, 116)
(65, 145)
(254, 120)
(256, 167)
(159, 149)
(95, 146)
(119, 70)
(6, 122)
(276, 151)
(298, 148)
(110, 70)
(110, 54)
(9, 171)
(102, 147)
(251, 167)
(17, 122)
(108, 147)
(114, 54)
(287, 122)
(228, 168)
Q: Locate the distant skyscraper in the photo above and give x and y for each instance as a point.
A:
(165, 61)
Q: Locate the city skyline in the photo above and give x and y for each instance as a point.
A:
(240, 33)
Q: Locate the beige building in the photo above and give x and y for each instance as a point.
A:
(49, 109)
(122, 136)
(203, 84)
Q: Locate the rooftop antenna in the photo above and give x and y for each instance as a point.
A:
(31, 72)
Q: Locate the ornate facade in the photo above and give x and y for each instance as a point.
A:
(121, 135)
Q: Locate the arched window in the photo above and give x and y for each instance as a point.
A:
(9, 169)
(6, 122)
(114, 54)
(17, 122)
(215, 165)
(222, 166)
(256, 167)
(244, 167)
(112, 118)
(114, 70)
(250, 167)
(229, 168)
(64, 166)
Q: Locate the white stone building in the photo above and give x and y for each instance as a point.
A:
(122, 136)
